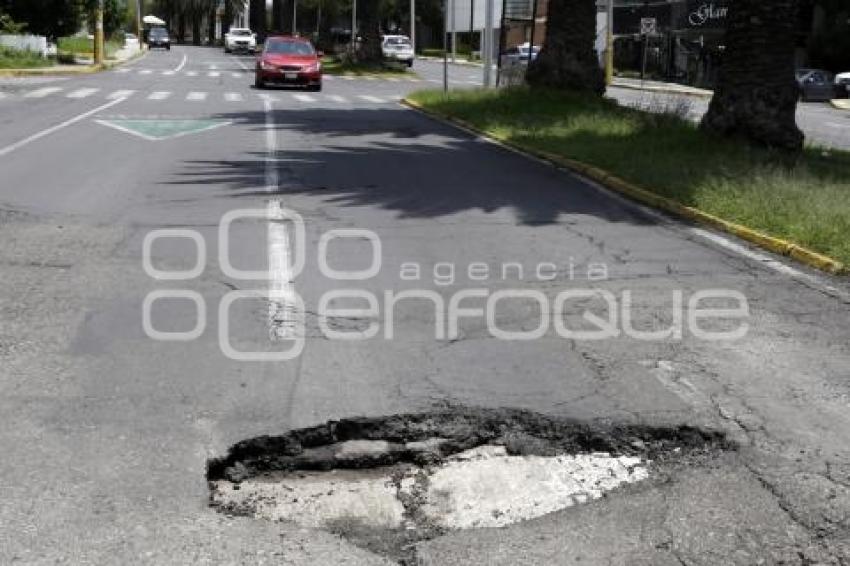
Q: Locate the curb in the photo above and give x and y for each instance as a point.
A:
(643, 196)
(456, 62)
(663, 90)
(841, 103)
(68, 71)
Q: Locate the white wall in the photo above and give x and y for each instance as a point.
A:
(35, 43)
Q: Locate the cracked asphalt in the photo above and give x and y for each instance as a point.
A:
(107, 432)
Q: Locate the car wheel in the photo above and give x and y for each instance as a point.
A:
(410, 64)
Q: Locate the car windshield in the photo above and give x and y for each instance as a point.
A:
(240, 32)
(290, 48)
(158, 32)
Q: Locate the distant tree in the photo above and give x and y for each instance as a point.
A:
(51, 18)
(756, 96)
(10, 26)
(567, 59)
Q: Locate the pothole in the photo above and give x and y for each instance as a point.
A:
(387, 483)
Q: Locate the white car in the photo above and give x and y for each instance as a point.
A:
(842, 85)
(240, 40)
(397, 48)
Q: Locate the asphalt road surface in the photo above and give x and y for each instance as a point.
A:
(107, 429)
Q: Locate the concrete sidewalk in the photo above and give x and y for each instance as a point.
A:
(661, 87)
(82, 66)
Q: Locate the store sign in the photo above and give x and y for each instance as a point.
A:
(708, 14)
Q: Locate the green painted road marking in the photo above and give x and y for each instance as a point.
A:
(162, 129)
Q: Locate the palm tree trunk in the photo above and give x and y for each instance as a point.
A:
(211, 13)
(257, 16)
(568, 60)
(756, 95)
(370, 31)
(228, 17)
(277, 15)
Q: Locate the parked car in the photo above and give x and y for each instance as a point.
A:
(158, 37)
(288, 60)
(842, 85)
(519, 55)
(240, 40)
(398, 49)
(815, 85)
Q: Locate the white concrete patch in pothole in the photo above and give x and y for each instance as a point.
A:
(482, 487)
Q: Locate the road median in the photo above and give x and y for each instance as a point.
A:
(799, 210)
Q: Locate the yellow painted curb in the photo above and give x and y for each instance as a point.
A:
(770, 243)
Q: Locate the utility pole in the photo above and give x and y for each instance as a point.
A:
(98, 33)
(487, 43)
(446, 46)
(139, 4)
(353, 27)
(413, 25)
(609, 44)
(454, 30)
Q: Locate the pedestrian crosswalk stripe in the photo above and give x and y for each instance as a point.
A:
(370, 98)
(213, 67)
(336, 98)
(121, 94)
(82, 92)
(145, 72)
(122, 70)
(232, 97)
(196, 96)
(236, 75)
(168, 73)
(159, 95)
(191, 73)
(303, 98)
(42, 92)
(214, 74)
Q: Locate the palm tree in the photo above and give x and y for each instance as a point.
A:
(756, 95)
(568, 60)
(369, 13)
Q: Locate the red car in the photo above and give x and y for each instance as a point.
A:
(287, 60)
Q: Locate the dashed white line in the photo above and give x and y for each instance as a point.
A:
(42, 92)
(169, 73)
(191, 73)
(303, 98)
(232, 97)
(213, 74)
(145, 72)
(122, 70)
(336, 98)
(370, 98)
(236, 75)
(196, 96)
(159, 95)
(121, 94)
(82, 92)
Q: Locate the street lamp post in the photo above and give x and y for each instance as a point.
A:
(413, 25)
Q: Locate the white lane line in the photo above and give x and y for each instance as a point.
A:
(336, 98)
(213, 67)
(282, 299)
(82, 92)
(182, 64)
(213, 74)
(370, 98)
(121, 94)
(191, 73)
(145, 72)
(159, 95)
(303, 98)
(17, 145)
(122, 70)
(42, 92)
(233, 97)
(236, 75)
(169, 73)
(196, 96)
